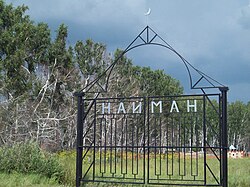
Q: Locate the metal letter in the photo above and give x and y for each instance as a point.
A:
(191, 106)
(105, 107)
(174, 107)
(121, 108)
(138, 107)
(156, 104)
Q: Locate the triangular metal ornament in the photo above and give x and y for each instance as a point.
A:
(198, 79)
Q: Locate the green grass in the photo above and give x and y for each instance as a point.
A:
(239, 173)
(239, 170)
(26, 180)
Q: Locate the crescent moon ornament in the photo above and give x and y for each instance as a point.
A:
(148, 12)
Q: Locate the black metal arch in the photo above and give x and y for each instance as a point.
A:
(148, 37)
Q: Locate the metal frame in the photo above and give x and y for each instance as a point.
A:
(94, 147)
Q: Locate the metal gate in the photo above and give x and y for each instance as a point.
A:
(160, 140)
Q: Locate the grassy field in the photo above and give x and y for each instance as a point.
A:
(30, 180)
(239, 174)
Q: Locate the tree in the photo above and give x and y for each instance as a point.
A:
(143, 81)
(238, 124)
(39, 76)
(22, 45)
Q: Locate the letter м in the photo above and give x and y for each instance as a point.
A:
(156, 104)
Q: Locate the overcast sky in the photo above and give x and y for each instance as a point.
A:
(213, 35)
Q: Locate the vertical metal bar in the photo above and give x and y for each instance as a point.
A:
(148, 133)
(144, 137)
(100, 144)
(126, 145)
(94, 151)
(184, 143)
(137, 144)
(160, 149)
(79, 142)
(197, 144)
(111, 147)
(191, 146)
(220, 138)
(172, 152)
(132, 144)
(204, 140)
(147, 35)
(155, 144)
(180, 147)
(122, 144)
(105, 146)
(224, 136)
(167, 142)
(115, 144)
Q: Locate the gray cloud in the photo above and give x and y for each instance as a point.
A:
(213, 35)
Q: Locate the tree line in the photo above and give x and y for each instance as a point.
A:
(40, 74)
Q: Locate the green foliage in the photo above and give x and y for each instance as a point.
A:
(90, 57)
(239, 124)
(22, 45)
(58, 51)
(68, 161)
(129, 79)
(29, 158)
(26, 180)
(157, 82)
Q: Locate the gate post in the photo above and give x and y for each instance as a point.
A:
(79, 140)
(224, 136)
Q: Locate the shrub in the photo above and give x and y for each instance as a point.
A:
(29, 158)
(68, 160)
